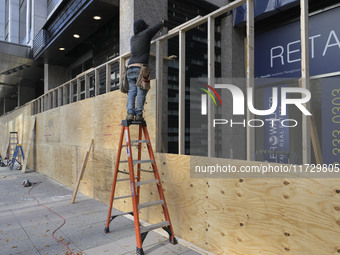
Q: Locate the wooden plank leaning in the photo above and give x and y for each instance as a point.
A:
(28, 147)
(81, 172)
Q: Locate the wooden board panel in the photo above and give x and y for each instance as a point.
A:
(109, 113)
(102, 159)
(77, 121)
(45, 160)
(13, 122)
(4, 137)
(65, 164)
(186, 198)
(235, 212)
(110, 110)
(49, 127)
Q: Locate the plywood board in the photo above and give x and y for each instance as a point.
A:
(78, 124)
(256, 216)
(103, 162)
(65, 164)
(186, 198)
(45, 160)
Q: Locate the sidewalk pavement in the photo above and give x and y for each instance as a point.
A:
(26, 228)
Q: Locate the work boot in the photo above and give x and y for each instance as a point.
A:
(130, 116)
(139, 118)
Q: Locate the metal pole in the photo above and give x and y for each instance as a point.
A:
(28, 21)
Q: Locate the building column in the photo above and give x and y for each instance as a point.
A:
(233, 69)
(19, 93)
(1, 108)
(28, 22)
(13, 22)
(152, 11)
(54, 76)
(126, 13)
(2, 19)
(45, 78)
(39, 16)
(9, 104)
(4, 106)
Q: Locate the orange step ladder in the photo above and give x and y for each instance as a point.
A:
(136, 183)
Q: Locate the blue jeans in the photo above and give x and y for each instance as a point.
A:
(132, 76)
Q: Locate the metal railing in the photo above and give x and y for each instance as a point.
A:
(83, 86)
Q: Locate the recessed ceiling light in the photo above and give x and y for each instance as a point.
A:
(76, 36)
(97, 17)
(61, 48)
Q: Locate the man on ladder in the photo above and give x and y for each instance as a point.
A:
(138, 79)
(138, 72)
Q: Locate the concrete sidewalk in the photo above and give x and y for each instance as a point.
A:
(26, 228)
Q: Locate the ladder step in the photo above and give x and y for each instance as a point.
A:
(139, 141)
(136, 141)
(146, 182)
(142, 161)
(123, 172)
(138, 161)
(116, 198)
(147, 171)
(125, 179)
(154, 226)
(157, 202)
(121, 214)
